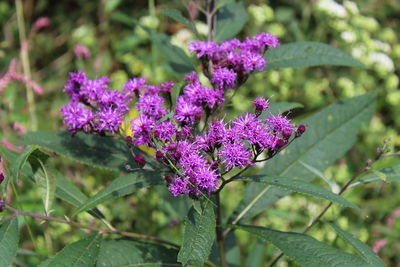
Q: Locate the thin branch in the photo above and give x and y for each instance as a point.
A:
(112, 230)
(345, 187)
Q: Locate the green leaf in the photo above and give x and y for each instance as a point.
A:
(123, 253)
(198, 237)
(279, 107)
(177, 16)
(65, 190)
(9, 237)
(308, 54)
(365, 252)
(304, 249)
(231, 18)
(388, 174)
(334, 186)
(82, 253)
(122, 186)
(20, 161)
(94, 150)
(299, 186)
(44, 178)
(330, 133)
(179, 62)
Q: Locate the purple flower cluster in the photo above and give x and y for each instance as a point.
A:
(232, 60)
(197, 161)
(94, 107)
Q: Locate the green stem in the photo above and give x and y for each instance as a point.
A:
(25, 63)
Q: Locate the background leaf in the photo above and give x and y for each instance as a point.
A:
(123, 253)
(20, 161)
(304, 249)
(388, 174)
(9, 236)
(364, 251)
(231, 18)
(122, 186)
(299, 186)
(280, 107)
(82, 253)
(198, 236)
(330, 133)
(94, 150)
(308, 54)
(177, 16)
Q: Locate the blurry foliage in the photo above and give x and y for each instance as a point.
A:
(369, 30)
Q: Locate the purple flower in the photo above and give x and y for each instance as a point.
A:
(164, 131)
(235, 155)
(141, 128)
(203, 48)
(216, 134)
(93, 89)
(152, 106)
(206, 179)
(186, 112)
(134, 85)
(278, 124)
(244, 125)
(109, 120)
(78, 118)
(192, 77)
(114, 99)
(267, 40)
(253, 61)
(74, 84)
(224, 78)
(166, 87)
(179, 187)
(261, 104)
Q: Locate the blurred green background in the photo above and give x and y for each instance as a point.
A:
(369, 30)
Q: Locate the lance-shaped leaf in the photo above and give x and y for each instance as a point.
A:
(177, 16)
(280, 107)
(299, 186)
(65, 190)
(231, 19)
(330, 133)
(122, 186)
(44, 177)
(94, 150)
(308, 54)
(9, 237)
(82, 253)
(20, 161)
(198, 236)
(122, 253)
(365, 252)
(388, 174)
(304, 249)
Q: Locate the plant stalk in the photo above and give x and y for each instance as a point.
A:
(219, 233)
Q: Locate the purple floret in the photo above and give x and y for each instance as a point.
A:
(186, 112)
(152, 106)
(224, 78)
(235, 155)
(109, 120)
(78, 118)
(134, 85)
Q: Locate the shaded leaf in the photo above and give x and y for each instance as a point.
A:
(9, 237)
(198, 236)
(82, 253)
(330, 133)
(231, 18)
(299, 186)
(365, 252)
(304, 249)
(20, 161)
(94, 150)
(122, 186)
(280, 107)
(308, 54)
(177, 16)
(44, 177)
(123, 253)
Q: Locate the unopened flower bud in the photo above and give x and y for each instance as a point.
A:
(286, 133)
(261, 104)
(41, 23)
(140, 160)
(1, 178)
(159, 155)
(168, 178)
(280, 143)
(128, 140)
(300, 130)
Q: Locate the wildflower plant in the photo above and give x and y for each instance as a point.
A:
(181, 139)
